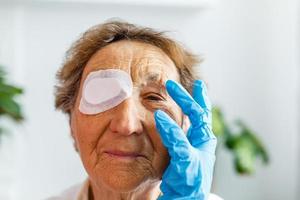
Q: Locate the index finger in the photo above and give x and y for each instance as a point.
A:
(200, 94)
(172, 136)
(186, 102)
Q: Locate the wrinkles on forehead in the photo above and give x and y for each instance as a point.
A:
(144, 62)
(111, 57)
(151, 69)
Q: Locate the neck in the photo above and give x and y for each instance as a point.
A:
(147, 191)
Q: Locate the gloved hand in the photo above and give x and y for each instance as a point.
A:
(192, 156)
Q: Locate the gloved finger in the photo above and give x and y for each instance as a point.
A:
(172, 136)
(186, 102)
(200, 94)
(201, 97)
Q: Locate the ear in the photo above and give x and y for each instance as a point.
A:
(185, 123)
(72, 125)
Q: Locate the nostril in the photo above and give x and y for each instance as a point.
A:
(126, 125)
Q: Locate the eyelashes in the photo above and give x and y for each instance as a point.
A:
(154, 97)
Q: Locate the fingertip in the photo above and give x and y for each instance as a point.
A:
(156, 117)
(198, 88)
(174, 88)
(169, 83)
(200, 83)
(160, 123)
(200, 94)
(160, 118)
(163, 120)
(159, 114)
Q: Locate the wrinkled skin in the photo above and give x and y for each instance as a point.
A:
(128, 127)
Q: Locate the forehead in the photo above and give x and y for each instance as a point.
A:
(144, 62)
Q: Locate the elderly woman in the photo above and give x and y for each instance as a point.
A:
(139, 133)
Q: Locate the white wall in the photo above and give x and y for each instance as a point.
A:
(251, 63)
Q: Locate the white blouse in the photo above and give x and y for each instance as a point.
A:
(80, 192)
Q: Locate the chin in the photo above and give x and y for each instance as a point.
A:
(123, 175)
(123, 181)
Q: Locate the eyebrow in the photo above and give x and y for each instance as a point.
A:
(153, 77)
(154, 80)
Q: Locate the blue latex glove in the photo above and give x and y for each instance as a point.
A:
(192, 155)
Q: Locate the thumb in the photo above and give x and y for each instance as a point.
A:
(172, 136)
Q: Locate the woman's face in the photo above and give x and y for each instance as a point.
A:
(121, 148)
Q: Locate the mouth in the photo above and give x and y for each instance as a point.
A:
(123, 154)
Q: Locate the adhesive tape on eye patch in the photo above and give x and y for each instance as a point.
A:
(104, 89)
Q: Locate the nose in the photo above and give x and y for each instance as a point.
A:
(126, 119)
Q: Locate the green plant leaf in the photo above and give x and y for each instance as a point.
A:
(9, 107)
(244, 145)
(2, 74)
(217, 122)
(244, 156)
(258, 147)
(9, 90)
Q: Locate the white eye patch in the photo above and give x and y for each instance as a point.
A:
(103, 90)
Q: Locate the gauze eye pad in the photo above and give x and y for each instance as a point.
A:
(103, 90)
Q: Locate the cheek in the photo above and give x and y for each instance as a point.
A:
(169, 106)
(89, 127)
(160, 155)
(87, 131)
(174, 111)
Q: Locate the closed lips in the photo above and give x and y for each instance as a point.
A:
(124, 154)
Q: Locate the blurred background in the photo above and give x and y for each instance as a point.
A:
(251, 62)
